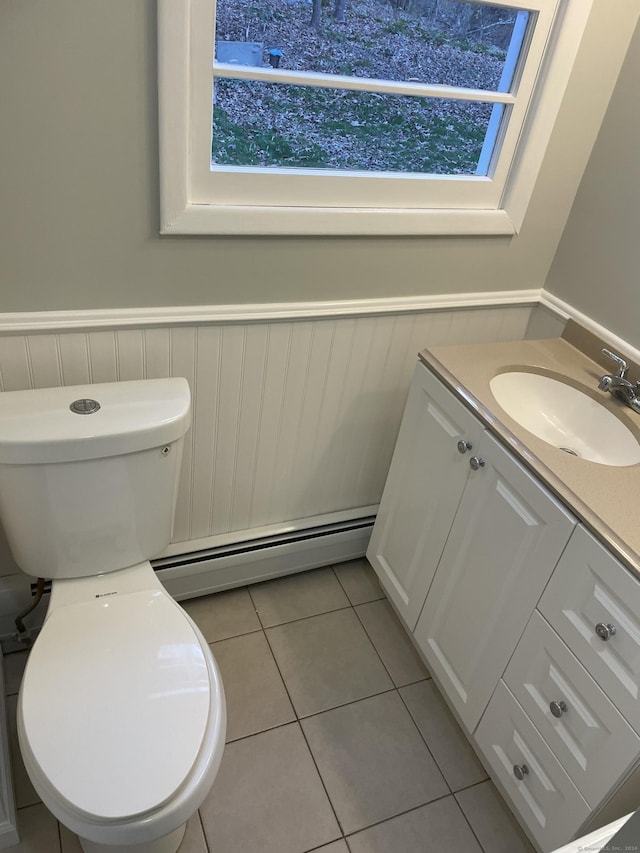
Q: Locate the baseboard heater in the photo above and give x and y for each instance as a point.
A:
(201, 572)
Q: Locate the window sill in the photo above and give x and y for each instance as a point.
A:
(350, 222)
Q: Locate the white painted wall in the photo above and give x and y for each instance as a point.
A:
(597, 265)
(79, 177)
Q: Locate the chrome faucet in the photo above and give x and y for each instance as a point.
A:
(619, 385)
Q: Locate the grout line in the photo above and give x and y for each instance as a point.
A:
(435, 761)
(427, 677)
(204, 832)
(368, 636)
(233, 636)
(382, 597)
(345, 704)
(298, 719)
(472, 785)
(468, 822)
(284, 683)
(335, 574)
(310, 616)
(263, 731)
(313, 758)
(322, 782)
(300, 618)
(321, 847)
(399, 814)
(253, 604)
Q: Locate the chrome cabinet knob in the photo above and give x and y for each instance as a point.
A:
(557, 708)
(476, 462)
(520, 771)
(605, 631)
(463, 446)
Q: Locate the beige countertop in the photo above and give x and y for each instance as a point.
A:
(605, 498)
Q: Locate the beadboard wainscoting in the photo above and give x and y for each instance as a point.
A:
(294, 420)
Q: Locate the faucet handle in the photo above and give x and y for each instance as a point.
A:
(623, 366)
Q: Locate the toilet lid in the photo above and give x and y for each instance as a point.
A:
(115, 702)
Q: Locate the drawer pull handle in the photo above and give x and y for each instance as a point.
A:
(557, 708)
(605, 631)
(520, 771)
(463, 446)
(476, 462)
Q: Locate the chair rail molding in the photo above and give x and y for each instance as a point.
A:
(199, 315)
(568, 312)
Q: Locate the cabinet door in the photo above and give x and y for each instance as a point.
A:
(588, 735)
(533, 779)
(589, 591)
(423, 489)
(508, 534)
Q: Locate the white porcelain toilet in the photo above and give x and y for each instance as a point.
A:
(121, 714)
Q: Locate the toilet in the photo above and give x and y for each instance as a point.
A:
(121, 712)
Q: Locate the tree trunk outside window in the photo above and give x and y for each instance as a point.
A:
(316, 14)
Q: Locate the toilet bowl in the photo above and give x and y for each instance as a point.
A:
(121, 712)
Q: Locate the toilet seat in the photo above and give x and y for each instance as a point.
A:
(135, 661)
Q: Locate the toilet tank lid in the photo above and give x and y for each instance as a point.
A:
(40, 426)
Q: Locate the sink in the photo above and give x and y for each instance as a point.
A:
(566, 418)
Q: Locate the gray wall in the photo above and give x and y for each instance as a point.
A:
(79, 184)
(597, 266)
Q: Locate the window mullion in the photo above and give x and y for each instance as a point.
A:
(360, 84)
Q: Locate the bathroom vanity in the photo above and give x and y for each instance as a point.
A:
(515, 566)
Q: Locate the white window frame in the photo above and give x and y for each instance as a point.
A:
(199, 199)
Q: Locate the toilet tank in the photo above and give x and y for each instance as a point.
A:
(89, 474)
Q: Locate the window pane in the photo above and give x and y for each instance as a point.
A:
(267, 124)
(429, 41)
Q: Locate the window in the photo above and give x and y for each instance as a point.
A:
(288, 130)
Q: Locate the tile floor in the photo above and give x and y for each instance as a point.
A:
(337, 741)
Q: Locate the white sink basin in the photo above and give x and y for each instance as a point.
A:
(566, 418)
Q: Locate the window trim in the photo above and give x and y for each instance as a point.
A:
(186, 211)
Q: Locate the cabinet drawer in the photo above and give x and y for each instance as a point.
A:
(545, 798)
(591, 588)
(591, 739)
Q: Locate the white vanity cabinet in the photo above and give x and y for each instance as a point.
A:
(586, 732)
(456, 501)
(572, 685)
(426, 479)
(505, 541)
(530, 626)
(593, 602)
(533, 779)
